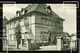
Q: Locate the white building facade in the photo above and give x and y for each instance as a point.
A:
(36, 19)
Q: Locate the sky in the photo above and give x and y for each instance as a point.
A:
(66, 11)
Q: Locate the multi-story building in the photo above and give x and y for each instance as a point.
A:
(4, 32)
(40, 20)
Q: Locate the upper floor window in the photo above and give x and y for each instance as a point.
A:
(7, 26)
(16, 22)
(41, 32)
(50, 22)
(11, 37)
(53, 23)
(12, 25)
(44, 20)
(22, 22)
(19, 20)
(58, 24)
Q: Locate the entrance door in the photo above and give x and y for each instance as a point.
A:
(24, 43)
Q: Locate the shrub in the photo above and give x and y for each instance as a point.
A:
(34, 46)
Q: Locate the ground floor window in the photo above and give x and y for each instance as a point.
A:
(23, 42)
(44, 36)
(12, 37)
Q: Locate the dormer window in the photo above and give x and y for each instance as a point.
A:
(22, 11)
(48, 9)
(17, 13)
(25, 11)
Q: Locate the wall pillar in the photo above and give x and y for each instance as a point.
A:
(59, 43)
(21, 43)
(28, 44)
(16, 44)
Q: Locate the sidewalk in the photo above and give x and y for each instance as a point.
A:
(48, 48)
(42, 48)
(15, 49)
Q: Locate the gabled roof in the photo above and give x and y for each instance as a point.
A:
(38, 8)
(41, 8)
(31, 8)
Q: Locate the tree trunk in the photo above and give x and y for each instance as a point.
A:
(17, 45)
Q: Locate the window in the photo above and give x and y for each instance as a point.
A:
(41, 32)
(47, 22)
(50, 22)
(44, 32)
(25, 11)
(22, 11)
(47, 32)
(22, 22)
(16, 22)
(23, 42)
(48, 9)
(18, 15)
(11, 37)
(14, 38)
(43, 36)
(53, 23)
(57, 24)
(12, 25)
(25, 18)
(19, 20)
(26, 32)
(44, 20)
(26, 22)
(7, 26)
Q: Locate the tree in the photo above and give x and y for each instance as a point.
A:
(18, 35)
(52, 36)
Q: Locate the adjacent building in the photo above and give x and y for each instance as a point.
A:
(38, 22)
(4, 32)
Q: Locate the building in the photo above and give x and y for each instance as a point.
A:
(4, 32)
(38, 22)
